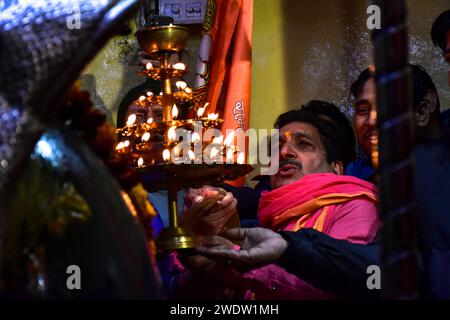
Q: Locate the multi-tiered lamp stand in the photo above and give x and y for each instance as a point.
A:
(149, 144)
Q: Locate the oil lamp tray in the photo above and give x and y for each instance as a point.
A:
(190, 175)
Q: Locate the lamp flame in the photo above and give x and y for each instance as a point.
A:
(142, 98)
(119, 145)
(150, 120)
(131, 119)
(171, 133)
(213, 116)
(181, 85)
(200, 112)
(149, 93)
(191, 155)
(188, 90)
(174, 111)
(179, 66)
(126, 143)
(166, 155)
(148, 66)
(140, 162)
(146, 136)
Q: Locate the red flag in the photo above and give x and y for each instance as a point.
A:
(224, 66)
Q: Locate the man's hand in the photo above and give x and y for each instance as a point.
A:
(199, 263)
(259, 246)
(209, 209)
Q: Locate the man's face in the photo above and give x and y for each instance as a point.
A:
(301, 153)
(143, 114)
(364, 119)
(447, 54)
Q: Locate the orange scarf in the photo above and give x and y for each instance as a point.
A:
(291, 207)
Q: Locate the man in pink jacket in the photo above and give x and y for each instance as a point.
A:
(308, 191)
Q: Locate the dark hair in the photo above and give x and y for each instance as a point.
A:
(335, 130)
(422, 82)
(440, 28)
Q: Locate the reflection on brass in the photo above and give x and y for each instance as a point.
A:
(176, 238)
(162, 38)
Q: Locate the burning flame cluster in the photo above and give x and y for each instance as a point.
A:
(217, 148)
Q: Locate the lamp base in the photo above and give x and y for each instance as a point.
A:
(176, 238)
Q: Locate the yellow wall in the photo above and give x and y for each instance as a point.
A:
(304, 50)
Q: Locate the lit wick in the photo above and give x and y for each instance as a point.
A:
(131, 119)
(213, 116)
(146, 136)
(119, 146)
(174, 111)
(179, 66)
(191, 155)
(171, 133)
(181, 85)
(166, 155)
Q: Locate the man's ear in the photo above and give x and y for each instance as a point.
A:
(426, 108)
(337, 168)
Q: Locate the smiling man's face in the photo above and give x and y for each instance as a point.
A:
(364, 106)
(301, 152)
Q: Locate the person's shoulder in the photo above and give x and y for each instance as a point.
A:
(358, 206)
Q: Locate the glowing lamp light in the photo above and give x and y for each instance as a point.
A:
(142, 98)
(191, 155)
(131, 119)
(171, 133)
(188, 90)
(174, 111)
(148, 66)
(166, 155)
(126, 143)
(140, 162)
(119, 146)
(179, 66)
(181, 85)
(150, 120)
(200, 112)
(213, 116)
(149, 93)
(146, 136)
